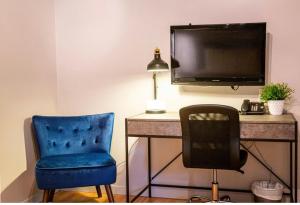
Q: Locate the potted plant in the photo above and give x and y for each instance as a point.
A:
(275, 94)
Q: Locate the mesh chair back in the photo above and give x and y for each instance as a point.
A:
(211, 137)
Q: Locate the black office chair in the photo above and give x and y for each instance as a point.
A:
(211, 140)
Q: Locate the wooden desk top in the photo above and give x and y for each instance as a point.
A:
(252, 127)
(174, 116)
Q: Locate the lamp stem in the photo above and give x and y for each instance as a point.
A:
(155, 87)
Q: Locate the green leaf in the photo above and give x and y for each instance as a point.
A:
(276, 91)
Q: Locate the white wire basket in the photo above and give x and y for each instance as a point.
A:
(267, 191)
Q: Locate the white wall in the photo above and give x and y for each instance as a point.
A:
(27, 87)
(103, 48)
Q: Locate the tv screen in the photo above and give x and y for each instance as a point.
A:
(223, 54)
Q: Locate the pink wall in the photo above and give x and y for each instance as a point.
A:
(91, 57)
(27, 87)
(103, 48)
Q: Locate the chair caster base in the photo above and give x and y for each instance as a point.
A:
(198, 199)
(201, 199)
(225, 198)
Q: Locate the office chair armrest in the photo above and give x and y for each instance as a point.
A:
(241, 171)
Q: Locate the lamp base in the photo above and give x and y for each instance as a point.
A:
(155, 111)
(155, 107)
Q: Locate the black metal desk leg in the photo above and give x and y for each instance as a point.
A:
(291, 173)
(296, 162)
(296, 171)
(149, 167)
(127, 164)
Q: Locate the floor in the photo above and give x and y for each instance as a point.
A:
(72, 196)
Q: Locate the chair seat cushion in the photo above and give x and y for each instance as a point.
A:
(75, 170)
(73, 161)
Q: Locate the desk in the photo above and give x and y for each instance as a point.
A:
(266, 128)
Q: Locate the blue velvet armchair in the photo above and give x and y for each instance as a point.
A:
(74, 152)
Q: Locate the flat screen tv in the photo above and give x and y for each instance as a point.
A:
(219, 54)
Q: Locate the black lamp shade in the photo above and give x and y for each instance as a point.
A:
(157, 64)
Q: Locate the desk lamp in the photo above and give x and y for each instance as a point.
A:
(156, 65)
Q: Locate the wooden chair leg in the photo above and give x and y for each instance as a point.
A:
(51, 195)
(109, 193)
(46, 195)
(98, 189)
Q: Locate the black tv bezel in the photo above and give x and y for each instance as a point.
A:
(240, 81)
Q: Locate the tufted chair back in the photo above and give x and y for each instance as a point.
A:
(73, 135)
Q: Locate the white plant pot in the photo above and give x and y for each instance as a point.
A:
(276, 107)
